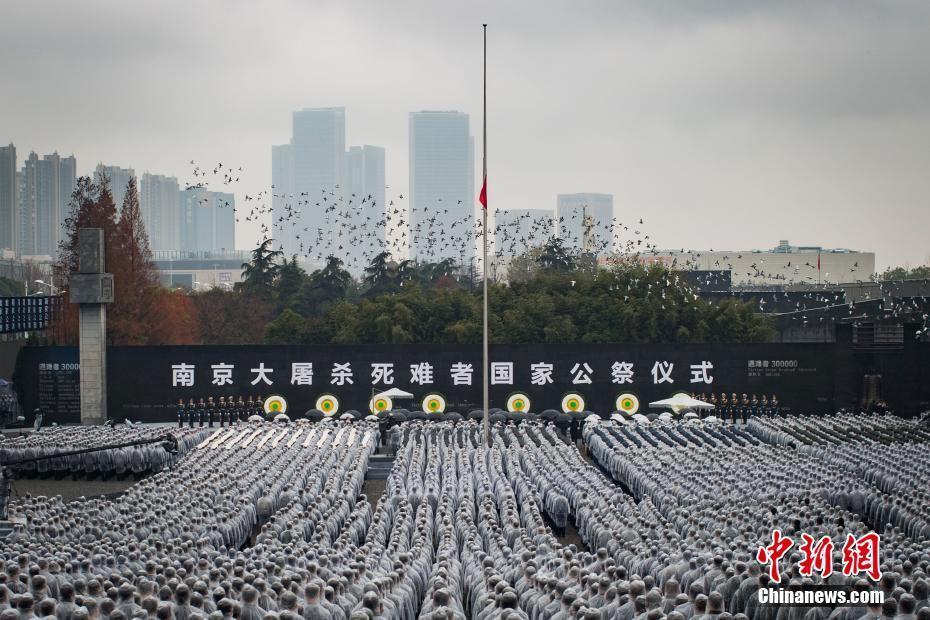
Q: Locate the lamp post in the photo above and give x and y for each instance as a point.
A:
(51, 287)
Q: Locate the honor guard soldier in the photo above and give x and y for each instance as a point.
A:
(221, 411)
(180, 413)
(190, 413)
(211, 410)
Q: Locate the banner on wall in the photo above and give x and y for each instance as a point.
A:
(145, 383)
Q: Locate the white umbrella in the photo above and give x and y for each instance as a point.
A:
(680, 401)
(394, 393)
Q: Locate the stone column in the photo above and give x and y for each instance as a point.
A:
(92, 288)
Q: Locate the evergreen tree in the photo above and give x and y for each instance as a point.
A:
(259, 273)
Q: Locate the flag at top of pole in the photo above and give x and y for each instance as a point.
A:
(483, 198)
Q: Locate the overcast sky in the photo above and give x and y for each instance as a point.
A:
(725, 125)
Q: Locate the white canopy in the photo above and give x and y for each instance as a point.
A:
(680, 401)
(394, 393)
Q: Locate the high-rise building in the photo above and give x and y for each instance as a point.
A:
(45, 193)
(159, 200)
(28, 181)
(207, 223)
(517, 231)
(585, 222)
(119, 178)
(363, 201)
(442, 187)
(308, 178)
(9, 206)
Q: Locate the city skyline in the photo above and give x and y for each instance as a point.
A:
(799, 135)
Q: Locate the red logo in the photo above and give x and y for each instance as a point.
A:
(860, 555)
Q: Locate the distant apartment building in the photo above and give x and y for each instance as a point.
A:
(585, 222)
(442, 186)
(9, 199)
(118, 178)
(45, 191)
(516, 231)
(207, 221)
(160, 202)
(785, 264)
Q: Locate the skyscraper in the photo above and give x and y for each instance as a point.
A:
(442, 187)
(571, 213)
(27, 205)
(517, 231)
(207, 221)
(364, 204)
(308, 178)
(45, 193)
(159, 200)
(119, 179)
(9, 207)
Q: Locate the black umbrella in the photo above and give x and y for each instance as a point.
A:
(549, 415)
(315, 414)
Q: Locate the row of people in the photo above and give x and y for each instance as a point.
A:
(223, 411)
(47, 450)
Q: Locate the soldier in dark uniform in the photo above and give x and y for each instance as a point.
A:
(211, 411)
(180, 413)
(190, 413)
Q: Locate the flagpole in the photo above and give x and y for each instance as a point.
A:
(484, 228)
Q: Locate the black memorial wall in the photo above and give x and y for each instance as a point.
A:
(144, 382)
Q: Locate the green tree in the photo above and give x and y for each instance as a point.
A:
(555, 257)
(260, 272)
(380, 277)
(904, 273)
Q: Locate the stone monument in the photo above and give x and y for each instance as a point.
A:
(92, 288)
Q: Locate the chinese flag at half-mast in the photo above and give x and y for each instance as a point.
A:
(483, 196)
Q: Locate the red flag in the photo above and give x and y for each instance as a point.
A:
(483, 196)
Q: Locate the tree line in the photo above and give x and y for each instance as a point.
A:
(553, 296)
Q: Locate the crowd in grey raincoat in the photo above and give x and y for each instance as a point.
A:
(269, 520)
